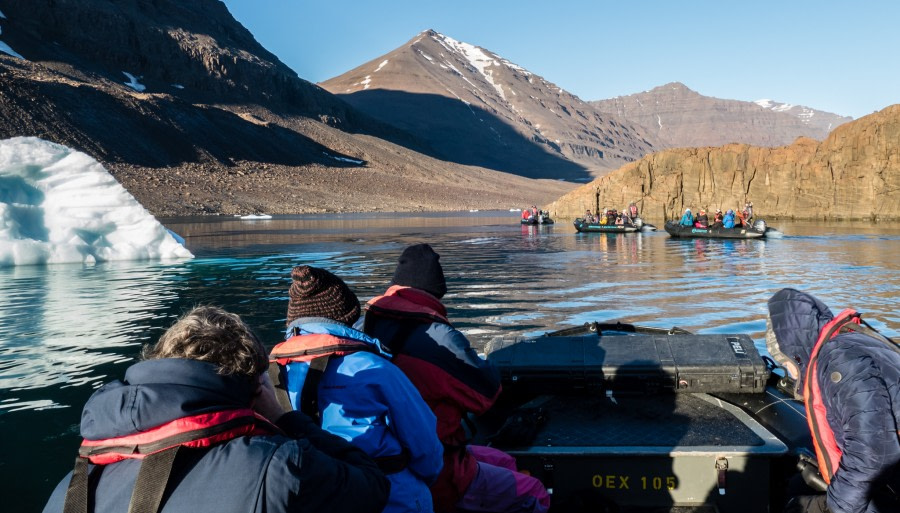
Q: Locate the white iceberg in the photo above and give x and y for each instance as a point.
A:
(58, 205)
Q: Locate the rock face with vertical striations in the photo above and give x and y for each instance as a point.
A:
(852, 174)
(475, 107)
(679, 117)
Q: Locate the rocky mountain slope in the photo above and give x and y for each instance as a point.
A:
(472, 106)
(679, 117)
(192, 115)
(853, 174)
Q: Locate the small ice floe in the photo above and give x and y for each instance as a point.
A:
(178, 86)
(256, 216)
(133, 82)
(473, 210)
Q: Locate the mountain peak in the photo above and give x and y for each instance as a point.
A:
(475, 106)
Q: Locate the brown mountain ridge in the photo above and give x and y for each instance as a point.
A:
(474, 107)
(192, 115)
(680, 117)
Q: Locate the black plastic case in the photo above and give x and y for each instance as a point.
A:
(638, 364)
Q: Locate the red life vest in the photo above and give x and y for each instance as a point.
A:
(196, 431)
(306, 348)
(401, 302)
(827, 451)
(316, 350)
(157, 449)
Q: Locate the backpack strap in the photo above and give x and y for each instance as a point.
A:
(309, 395)
(864, 328)
(149, 488)
(152, 480)
(276, 376)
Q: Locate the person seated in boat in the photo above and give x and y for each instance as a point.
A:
(687, 219)
(728, 219)
(353, 389)
(702, 220)
(412, 323)
(620, 220)
(534, 212)
(589, 217)
(626, 219)
(848, 375)
(718, 219)
(205, 382)
(611, 216)
(526, 213)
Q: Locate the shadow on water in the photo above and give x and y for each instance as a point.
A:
(466, 134)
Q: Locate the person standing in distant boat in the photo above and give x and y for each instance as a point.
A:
(748, 213)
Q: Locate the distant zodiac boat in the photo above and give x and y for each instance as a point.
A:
(542, 218)
(757, 231)
(582, 226)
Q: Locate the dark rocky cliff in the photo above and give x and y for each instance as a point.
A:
(853, 174)
(209, 121)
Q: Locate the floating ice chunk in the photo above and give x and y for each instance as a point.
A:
(58, 205)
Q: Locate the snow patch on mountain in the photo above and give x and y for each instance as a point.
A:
(804, 113)
(133, 82)
(477, 58)
(383, 64)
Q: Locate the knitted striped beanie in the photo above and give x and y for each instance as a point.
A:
(316, 292)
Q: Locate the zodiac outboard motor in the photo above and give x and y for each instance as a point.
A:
(760, 225)
(638, 223)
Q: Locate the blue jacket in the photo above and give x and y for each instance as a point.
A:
(687, 219)
(368, 401)
(308, 470)
(728, 220)
(859, 378)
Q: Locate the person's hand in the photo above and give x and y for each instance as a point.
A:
(264, 401)
(807, 504)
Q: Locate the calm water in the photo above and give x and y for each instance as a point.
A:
(65, 330)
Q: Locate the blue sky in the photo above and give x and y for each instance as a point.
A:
(841, 57)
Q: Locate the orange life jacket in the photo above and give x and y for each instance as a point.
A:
(828, 453)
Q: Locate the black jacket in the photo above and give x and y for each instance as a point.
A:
(308, 470)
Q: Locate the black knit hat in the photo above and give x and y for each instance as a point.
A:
(419, 268)
(316, 292)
